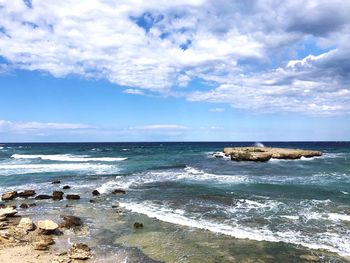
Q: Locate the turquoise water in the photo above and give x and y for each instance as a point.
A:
(299, 202)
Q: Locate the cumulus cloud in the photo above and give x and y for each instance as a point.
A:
(246, 50)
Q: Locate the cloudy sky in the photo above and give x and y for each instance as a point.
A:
(103, 70)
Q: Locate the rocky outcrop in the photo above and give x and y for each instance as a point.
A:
(44, 243)
(73, 197)
(26, 193)
(263, 154)
(70, 221)
(57, 195)
(9, 195)
(7, 212)
(79, 251)
(26, 223)
(47, 227)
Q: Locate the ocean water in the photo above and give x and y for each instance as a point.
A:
(214, 209)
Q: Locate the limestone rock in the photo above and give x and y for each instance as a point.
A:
(70, 221)
(44, 243)
(73, 197)
(27, 193)
(57, 195)
(26, 223)
(9, 195)
(8, 211)
(47, 226)
(263, 154)
(79, 251)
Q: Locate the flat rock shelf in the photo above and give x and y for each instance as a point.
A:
(263, 154)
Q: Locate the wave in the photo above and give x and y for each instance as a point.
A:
(188, 174)
(13, 169)
(68, 158)
(330, 241)
(258, 144)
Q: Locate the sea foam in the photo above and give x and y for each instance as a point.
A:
(69, 158)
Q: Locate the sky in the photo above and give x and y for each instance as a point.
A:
(194, 70)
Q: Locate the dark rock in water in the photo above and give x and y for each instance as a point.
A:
(73, 197)
(43, 197)
(92, 201)
(95, 193)
(70, 222)
(79, 251)
(9, 195)
(66, 187)
(56, 182)
(119, 191)
(33, 204)
(57, 195)
(24, 206)
(138, 225)
(2, 205)
(27, 193)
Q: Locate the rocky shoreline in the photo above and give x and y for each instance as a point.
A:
(29, 241)
(264, 154)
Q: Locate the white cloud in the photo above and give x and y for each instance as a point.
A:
(160, 127)
(23, 127)
(217, 110)
(239, 47)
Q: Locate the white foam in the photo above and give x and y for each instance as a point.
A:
(337, 217)
(291, 217)
(259, 144)
(68, 158)
(11, 169)
(330, 241)
(1, 147)
(345, 193)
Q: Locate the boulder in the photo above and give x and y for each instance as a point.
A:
(27, 193)
(47, 227)
(73, 197)
(57, 195)
(263, 154)
(24, 206)
(9, 195)
(79, 251)
(44, 243)
(95, 193)
(56, 182)
(70, 221)
(43, 197)
(119, 191)
(66, 187)
(8, 211)
(138, 225)
(26, 223)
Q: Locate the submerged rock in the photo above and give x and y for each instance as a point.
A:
(27, 193)
(24, 206)
(70, 221)
(263, 154)
(26, 223)
(138, 225)
(66, 187)
(57, 195)
(119, 191)
(56, 182)
(47, 227)
(310, 258)
(79, 251)
(9, 195)
(43, 197)
(73, 197)
(95, 193)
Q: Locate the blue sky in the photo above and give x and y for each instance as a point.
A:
(184, 71)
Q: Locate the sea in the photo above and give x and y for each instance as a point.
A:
(194, 207)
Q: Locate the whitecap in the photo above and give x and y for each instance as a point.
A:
(290, 217)
(69, 158)
(337, 217)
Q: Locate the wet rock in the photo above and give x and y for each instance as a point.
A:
(7, 212)
(66, 187)
(119, 191)
(92, 201)
(73, 197)
(43, 197)
(9, 195)
(57, 195)
(70, 221)
(24, 206)
(26, 223)
(138, 225)
(33, 204)
(79, 251)
(56, 182)
(310, 258)
(95, 193)
(47, 227)
(2, 205)
(27, 193)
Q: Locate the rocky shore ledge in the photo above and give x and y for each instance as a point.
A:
(263, 154)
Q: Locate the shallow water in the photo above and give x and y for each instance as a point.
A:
(204, 204)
